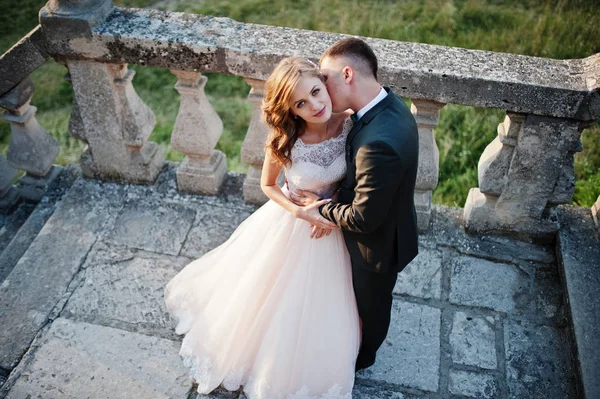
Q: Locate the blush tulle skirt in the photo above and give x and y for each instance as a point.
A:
(270, 310)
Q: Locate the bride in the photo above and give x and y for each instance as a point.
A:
(272, 309)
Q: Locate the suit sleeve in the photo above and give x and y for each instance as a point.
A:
(378, 175)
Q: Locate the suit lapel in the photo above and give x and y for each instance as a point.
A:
(355, 129)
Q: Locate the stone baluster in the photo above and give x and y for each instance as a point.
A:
(8, 195)
(495, 161)
(31, 148)
(75, 123)
(520, 173)
(565, 184)
(596, 212)
(196, 132)
(427, 115)
(253, 152)
(115, 123)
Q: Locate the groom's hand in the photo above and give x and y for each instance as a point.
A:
(311, 214)
(304, 198)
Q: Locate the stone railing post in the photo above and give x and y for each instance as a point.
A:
(196, 132)
(75, 123)
(31, 148)
(115, 123)
(8, 195)
(596, 212)
(64, 19)
(427, 115)
(253, 152)
(522, 171)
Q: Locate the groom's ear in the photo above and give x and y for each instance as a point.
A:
(348, 74)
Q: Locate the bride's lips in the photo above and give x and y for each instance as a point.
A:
(320, 113)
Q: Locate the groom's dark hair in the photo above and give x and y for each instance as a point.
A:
(358, 51)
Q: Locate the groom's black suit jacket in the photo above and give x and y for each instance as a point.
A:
(376, 201)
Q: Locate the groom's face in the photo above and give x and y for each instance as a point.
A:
(331, 68)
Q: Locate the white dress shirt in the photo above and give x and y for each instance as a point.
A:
(382, 94)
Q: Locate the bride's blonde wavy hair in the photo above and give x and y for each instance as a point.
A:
(277, 114)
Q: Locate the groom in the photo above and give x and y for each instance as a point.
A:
(376, 209)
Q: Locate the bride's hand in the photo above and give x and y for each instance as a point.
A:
(304, 198)
(318, 232)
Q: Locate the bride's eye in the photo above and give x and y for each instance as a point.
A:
(300, 104)
(315, 92)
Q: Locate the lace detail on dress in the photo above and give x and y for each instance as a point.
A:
(319, 167)
(201, 370)
(335, 392)
(323, 153)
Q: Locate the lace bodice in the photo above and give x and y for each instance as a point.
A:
(318, 167)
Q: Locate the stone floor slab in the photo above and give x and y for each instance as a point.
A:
(548, 300)
(422, 278)
(158, 227)
(473, 385)
(212, 227)
(538, 364)
(381, 392)
(41, 277)
(413, 342)
(473, 341)
(479, 282)
(123, 288)
(80, 360)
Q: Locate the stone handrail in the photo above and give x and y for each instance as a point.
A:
(532, 85)
(528, 167)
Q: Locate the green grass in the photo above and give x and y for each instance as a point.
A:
(555, 29)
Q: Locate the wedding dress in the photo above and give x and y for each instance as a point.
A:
(271, 309)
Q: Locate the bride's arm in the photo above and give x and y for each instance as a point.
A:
(268, 184)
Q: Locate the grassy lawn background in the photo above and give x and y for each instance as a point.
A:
(554, 29)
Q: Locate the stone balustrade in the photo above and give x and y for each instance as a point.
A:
(31, 149)
(528, 167)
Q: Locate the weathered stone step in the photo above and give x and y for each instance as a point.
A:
(75, 360)
(41, 276)
(12, 222)
(578, 246)
(20, 228)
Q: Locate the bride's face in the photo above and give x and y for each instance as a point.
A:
(310, 100)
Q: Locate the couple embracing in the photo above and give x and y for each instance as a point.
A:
(299, 297)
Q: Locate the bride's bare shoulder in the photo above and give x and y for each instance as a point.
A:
(341, 116)
(345, 114)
